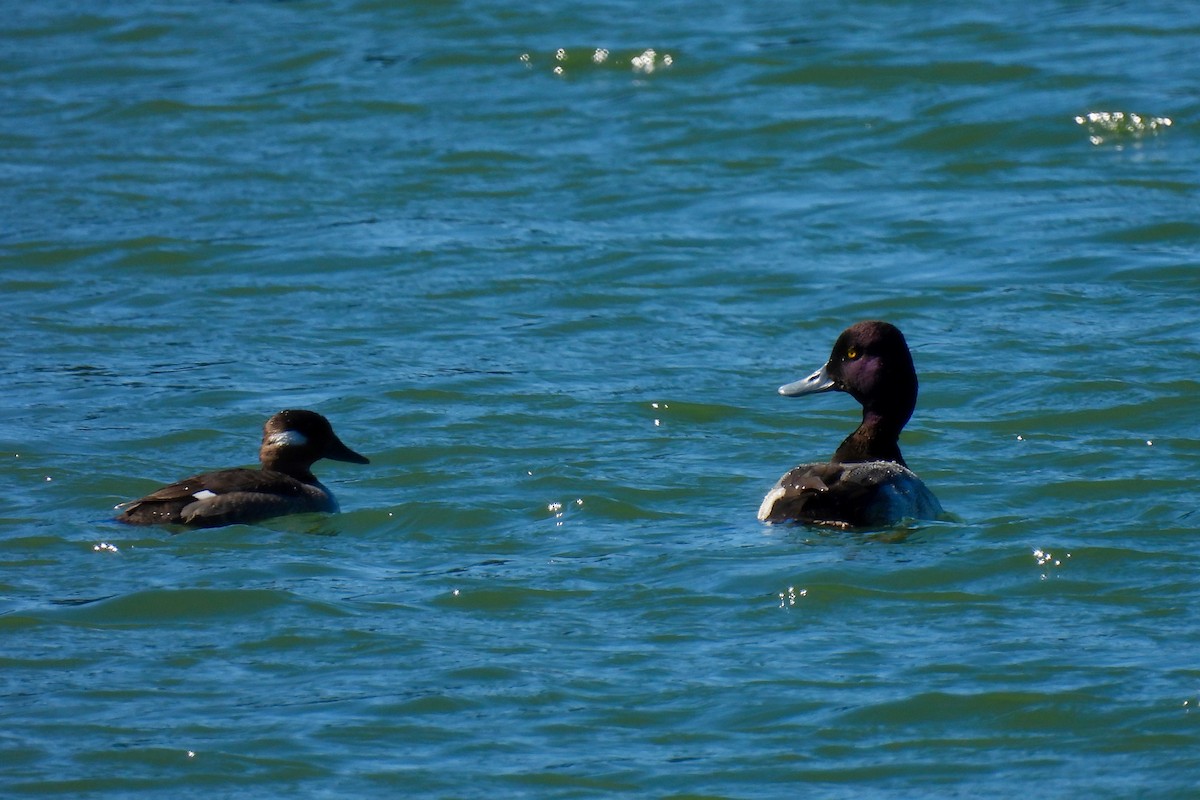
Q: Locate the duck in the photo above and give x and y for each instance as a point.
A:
(866, 484)
(292, 441)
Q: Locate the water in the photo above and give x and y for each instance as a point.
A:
(553, 310)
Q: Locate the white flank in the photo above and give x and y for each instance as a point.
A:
(203, 494)
(768, 503)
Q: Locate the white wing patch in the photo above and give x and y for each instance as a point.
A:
(203, 494)
(287, 439)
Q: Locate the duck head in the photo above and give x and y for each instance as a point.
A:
(870, 362)
(293, 440)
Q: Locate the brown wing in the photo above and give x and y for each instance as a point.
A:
(799, 493)
(208, 499)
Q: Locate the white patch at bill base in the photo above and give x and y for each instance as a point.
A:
(287, 439)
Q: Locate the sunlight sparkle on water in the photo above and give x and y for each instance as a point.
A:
(1045, 557)
(1104, 126)
(643, 63)
(788, 599)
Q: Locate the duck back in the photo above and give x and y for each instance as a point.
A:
(871, 494)
(229, 496)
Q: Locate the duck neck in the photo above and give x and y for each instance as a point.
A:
(279, 462)
(876, 439)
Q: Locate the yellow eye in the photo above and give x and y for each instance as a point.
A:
(852, 353)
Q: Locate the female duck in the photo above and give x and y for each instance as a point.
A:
(292, 441)
(866, 484)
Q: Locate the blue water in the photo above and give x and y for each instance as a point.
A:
(548, 281)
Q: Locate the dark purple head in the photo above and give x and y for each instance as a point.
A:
(870, 362)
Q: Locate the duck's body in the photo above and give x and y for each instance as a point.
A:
(292, 442)
(870, 494)
(866, 484)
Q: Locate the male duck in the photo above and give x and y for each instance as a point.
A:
(866, 484)
(292, 441)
